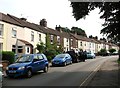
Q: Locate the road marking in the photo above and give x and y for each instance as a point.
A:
(90, 75)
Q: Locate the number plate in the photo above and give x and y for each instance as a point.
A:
(56, 62)
(12, 71)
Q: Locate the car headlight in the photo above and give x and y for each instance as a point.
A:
(6, 68)
(21, 68)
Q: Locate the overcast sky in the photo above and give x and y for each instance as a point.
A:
(56, 12)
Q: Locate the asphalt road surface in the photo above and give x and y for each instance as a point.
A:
(70, 75)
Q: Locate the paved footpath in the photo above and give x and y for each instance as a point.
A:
(107, 75)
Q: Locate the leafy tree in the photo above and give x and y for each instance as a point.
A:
(51, 50)
(65, 29)
(79, 31)
(112, 50)
(41, 47)
(111, 14)
(48, 43)
(103, 52)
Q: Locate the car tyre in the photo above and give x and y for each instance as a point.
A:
(29, 73)
(45, 69)
(65, 63)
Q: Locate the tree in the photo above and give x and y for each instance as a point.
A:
(111, 14)
(79, 31)
(112, 50)
(41, 47)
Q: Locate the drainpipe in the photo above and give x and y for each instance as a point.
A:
(16, 51)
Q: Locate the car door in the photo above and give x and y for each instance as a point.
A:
(41, 62)
(35, 63)
(67, 59)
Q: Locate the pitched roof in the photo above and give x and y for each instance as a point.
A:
(8, 19)
(26, 23)
(25, 42)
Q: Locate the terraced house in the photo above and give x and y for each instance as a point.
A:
(20, 36)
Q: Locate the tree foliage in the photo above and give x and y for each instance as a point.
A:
(41, 47)
(112, 50)
(79, 31)
(111, 14)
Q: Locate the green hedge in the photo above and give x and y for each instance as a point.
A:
(50, 54)
(8, 55)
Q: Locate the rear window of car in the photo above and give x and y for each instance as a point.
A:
(60, 56)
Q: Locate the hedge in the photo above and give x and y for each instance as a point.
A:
(8, 55)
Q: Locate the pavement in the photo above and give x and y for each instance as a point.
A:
(107, 75)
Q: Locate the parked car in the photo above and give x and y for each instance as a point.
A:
(1, 73)
(90, 55)
(75, 57)
(82, 55)
(62, 59)
(27, 64)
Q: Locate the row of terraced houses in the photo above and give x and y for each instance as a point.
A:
(18, 31)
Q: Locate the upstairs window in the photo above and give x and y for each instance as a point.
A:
(80, 43)
(32, 36)
(71, 42)
(1, 29)
(58, 39)
(39, 37)
(51, 38)
(14, 32)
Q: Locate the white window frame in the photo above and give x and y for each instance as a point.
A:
(14, 32)
(39, 37)
(1, 29)
(58, 39)
(51, 39)
(32, 36)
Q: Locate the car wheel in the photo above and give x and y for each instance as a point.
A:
(70, 62)
(29, 73)
(65, 63)
(45, 69)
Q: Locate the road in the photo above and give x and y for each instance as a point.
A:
(71, 75)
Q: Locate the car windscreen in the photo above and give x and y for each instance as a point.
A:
(26, 58)
(60, 56)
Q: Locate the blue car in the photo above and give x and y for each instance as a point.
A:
(90, 55)
(62, 59)
(27, 64)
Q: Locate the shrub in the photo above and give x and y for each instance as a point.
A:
(50, 54)
(103, 52)
(112, 50)
(8, 55)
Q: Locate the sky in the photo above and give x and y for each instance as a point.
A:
(56, 12)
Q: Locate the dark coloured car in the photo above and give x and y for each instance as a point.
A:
(28, 64)
(62, 59)
(75, 57)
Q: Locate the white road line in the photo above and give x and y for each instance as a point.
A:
(90, 75)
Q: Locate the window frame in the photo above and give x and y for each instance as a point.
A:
(32, 36)
(1, 29)
(14, 31)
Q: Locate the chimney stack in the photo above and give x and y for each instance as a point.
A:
(58, 28)
(43, 23)
(23, 19)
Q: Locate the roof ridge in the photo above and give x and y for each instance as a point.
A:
(14, 18)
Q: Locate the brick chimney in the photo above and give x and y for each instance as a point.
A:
(58, 28)
(43, 23)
